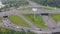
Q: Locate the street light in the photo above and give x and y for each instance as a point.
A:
(34, 10)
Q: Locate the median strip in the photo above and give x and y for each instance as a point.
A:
(18, 21)
(38, 21)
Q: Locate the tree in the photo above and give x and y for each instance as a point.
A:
(52, 3)
(1, 31)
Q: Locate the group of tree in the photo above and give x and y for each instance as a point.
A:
(13, 3)
(10, 31)
(52, 3)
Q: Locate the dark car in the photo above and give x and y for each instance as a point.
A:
(46, 14)
(5, 16)
(56, 33)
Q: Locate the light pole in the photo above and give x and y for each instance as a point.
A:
(34, 10)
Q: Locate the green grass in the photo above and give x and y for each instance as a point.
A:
(26, 8)
(55, 17)
(47, 8)
(1, 19)
(38, 21)
(18, 21)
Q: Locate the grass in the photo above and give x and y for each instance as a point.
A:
(3, 29)
(47, 8)
(55, 17)
(38, 21)
(26, 8)
(1, 20)
(18, 21)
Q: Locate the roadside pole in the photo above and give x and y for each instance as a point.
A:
(34, 10)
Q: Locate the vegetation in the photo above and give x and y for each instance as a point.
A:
(55, 17)
(52, 3)
(26, 8)
(47, 8)
(1, 20)
(18, 21)
(12, 3)
(38, 21)
(10, 31)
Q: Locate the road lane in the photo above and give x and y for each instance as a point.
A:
(49, 21)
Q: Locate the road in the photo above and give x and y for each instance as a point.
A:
(33, 4)
(48, 21)
(8, 24)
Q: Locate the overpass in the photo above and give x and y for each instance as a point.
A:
(15, 11)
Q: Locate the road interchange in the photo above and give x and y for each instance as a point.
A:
(39, 11)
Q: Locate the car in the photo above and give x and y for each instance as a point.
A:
(56, 33)
(5, 16)
(46, 14)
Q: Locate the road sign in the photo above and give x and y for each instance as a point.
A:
(34, 9)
